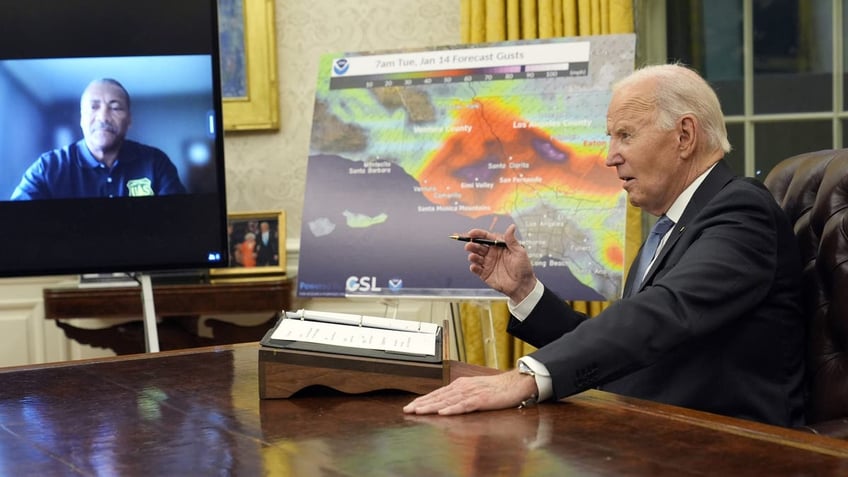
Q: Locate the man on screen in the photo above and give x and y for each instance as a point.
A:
(104, 163)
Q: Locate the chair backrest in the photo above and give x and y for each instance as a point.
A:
(813, 190)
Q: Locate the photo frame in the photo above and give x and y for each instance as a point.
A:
(248, 58)
(250, 254)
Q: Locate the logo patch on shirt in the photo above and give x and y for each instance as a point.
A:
(140, 187)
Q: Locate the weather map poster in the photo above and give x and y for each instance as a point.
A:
(410, 147)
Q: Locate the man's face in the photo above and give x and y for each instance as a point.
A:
(645, 156)
(104, 117)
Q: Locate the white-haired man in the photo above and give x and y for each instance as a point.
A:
(710, 321)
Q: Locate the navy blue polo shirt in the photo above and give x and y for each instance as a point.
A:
(73, 172)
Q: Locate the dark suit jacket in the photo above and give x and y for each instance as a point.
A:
(266, 254)
(715, 326)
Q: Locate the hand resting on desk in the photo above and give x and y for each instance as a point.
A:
(478, 393)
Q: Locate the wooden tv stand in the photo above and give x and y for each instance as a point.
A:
(178, 309)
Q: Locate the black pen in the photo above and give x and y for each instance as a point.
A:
(482, 241)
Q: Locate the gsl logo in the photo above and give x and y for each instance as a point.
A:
(362, 284)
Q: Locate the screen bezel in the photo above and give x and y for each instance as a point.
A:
(90, 235)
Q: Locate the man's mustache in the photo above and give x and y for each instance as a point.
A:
(102, 126)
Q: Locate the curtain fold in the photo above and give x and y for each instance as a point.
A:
(484, 323)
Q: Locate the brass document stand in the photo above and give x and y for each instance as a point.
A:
(283, 372)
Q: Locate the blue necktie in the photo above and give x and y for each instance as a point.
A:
(650, 249)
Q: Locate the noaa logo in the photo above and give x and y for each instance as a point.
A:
(341, 66)
(395, 284)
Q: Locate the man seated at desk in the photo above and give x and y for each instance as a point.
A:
(712, 321)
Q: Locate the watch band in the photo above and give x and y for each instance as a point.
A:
(524, 369)
(534, 398)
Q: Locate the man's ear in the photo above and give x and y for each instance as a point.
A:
(686, 137)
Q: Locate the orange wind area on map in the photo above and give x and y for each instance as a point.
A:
(511, 166)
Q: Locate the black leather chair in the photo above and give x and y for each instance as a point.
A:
(813, 190)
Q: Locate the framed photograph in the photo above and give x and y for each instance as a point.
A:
(248, 64)
(257, 245)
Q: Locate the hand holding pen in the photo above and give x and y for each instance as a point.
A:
(505, 268)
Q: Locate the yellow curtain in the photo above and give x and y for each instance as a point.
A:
(484, 323)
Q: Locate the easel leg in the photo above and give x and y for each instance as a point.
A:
(453, 315)
(487, 326)
(470, 352)
(392, 305)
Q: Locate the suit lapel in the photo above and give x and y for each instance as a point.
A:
(713, 183)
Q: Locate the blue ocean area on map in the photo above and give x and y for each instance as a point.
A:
(408, 248)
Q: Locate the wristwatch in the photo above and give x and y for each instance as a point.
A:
(534, 398)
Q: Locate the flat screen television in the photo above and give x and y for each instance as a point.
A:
(164, 53)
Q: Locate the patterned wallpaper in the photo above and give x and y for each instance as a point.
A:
(267, 170)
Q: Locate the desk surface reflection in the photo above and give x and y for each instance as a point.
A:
(198, 412)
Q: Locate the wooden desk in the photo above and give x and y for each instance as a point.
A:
(177, 306)
(197, 412)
